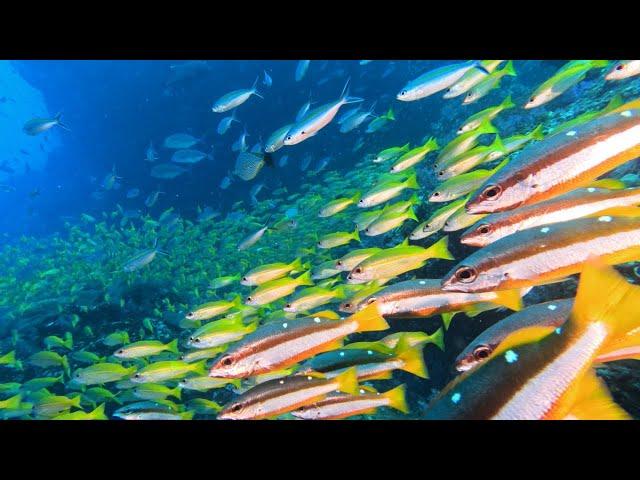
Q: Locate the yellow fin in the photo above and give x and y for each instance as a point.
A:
(523, 336)
(624, 348)
(369, 319)
(629, 211)
(437, 338)
(609, 183)
(446, 319)
(593, 401)
(348, 381)
(412, 358)
(440, 249)
(509, 298)
(326, 314)
(397, 398)
(605, 296)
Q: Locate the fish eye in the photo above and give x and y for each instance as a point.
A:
(137, 375)
(366, 229)
(236, 408)
(358, 270)
(440, 173)
(347, 305)
(190, 315)
(403, 93)
(619, 67)
(226, 361)
(466, 274)
(120, 352)
(481, 352)
(532, 99)
(249, 299)
(492, 191)
(338, 263)
(289, 137)
(288, 305)
(483, 229)
(303, 132)
(436, 194)
(244, 279)
(197, 340)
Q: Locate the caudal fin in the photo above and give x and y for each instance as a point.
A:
(369, 319)
(440, 249)
(58, 121)
(509, 298)
(348, 381)
(397, 398)
(412, 358)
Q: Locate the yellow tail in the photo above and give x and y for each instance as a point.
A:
(369, 320)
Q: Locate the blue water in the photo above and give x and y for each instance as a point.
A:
(114, 108)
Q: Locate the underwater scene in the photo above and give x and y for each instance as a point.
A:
(319, 239)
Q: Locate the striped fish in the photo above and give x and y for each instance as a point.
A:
(278, 396)
(561, 163)
(545, 255)
(543, 373)
(279, 345)
(577, 204)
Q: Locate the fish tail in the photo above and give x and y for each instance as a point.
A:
(432, 144)
(75, 401)
(236, 301)
(173, 346)
(390, 115)
(507, 103)
(497, 144)
(344, 96)
(437, 338)
(614, 103)
(356, 196)
(356, 235)
(599, 63)
(412, 358)
(509, 70)
(13, 402)
(510, 299)
(446, 319)
(305, 278)
(412, 181)
(348, 381)
(537, 134)
(397, 398)
(369, 320)
(200, 367)
(296, 265)
(593, 401)
(188, 415)
(98, 413)
(255, 89)
(339, 292)
(177, 393)
(487, 127)
(440, 249)
(411, 215)
(405, 147)
(604, 296)
(58, 120)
